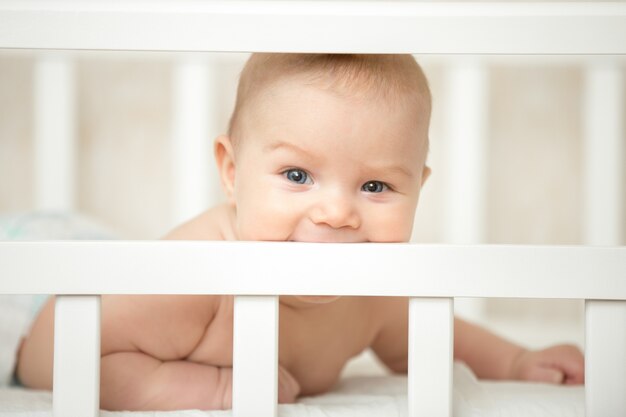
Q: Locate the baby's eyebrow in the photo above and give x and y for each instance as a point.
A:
(287, 145)
(393, 169)
(399, 169)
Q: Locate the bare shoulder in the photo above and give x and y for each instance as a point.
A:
(215, 223)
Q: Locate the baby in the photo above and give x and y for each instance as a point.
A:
(320, 148)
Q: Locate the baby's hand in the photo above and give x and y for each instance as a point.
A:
(562, 364)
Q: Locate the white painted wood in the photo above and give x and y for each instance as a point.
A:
(605, 358)
(605, 327)
(431, 337)
(467, 94)
(54, 131)
(191, 144)
(604, 150)
(76, 381)
(215, 128)
(466, 145)
(309, 26)
(255, 356)
(130, 267)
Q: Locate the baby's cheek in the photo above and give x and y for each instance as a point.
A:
(264, 222)
(391, 228)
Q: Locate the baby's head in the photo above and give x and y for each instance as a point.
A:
(326, 148)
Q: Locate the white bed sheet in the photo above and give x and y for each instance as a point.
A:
(368, 396)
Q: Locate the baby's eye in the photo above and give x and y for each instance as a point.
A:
(297, 175)
(374, 187)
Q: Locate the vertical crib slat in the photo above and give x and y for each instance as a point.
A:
(191, 143)
(605, 327)
(605, 358)
(467, 99)
(255, 356)
(76, 381)
(604, 147)
(54, 117)
(431, 333)
(467, 110)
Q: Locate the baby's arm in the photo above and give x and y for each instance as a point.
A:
(492, 357)
(488, 355)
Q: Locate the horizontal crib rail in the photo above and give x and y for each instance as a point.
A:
(310, 26)
(270, 268)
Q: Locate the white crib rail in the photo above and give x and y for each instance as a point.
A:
(431, 274)
(309, 26)
(594, 274)
(138, 267)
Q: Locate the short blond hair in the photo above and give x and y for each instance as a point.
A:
(388, 77)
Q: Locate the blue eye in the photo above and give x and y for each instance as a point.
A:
(374, 187)
(297, 175)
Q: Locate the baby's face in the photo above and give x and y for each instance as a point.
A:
(313, 166)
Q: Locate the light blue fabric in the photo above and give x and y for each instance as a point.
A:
(38, 301)
(20, 311)
(50, 225)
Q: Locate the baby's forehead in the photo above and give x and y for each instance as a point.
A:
(296, 110)
(354, 89)
(383, 82)
(285, 92)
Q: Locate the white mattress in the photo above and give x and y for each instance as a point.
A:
(368, 396)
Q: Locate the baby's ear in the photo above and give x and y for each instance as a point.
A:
(225, 159)
(425, 174)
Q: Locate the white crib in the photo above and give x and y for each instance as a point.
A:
(594, 274)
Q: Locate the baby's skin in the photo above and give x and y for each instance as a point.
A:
(314, 162)
(175, 352)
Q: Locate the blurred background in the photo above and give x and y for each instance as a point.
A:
(516, 150)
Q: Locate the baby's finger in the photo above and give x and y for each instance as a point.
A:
(572, 363)
(547, 375)
(574, 374)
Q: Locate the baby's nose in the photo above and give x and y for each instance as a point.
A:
(336, 210)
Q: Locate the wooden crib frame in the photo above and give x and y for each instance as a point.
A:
(89, 269)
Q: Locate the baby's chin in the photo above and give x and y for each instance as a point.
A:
(317, 299)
